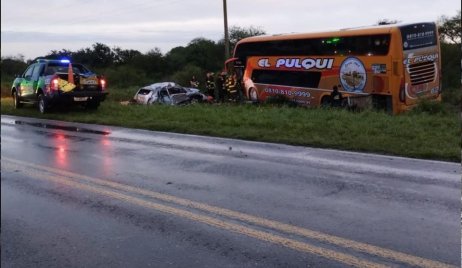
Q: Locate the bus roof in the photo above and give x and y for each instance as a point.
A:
(364, 30)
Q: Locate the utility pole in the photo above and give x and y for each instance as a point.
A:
(225, 13)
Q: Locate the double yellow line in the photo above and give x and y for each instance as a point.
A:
(106, 188)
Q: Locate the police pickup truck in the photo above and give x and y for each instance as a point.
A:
(53, 82)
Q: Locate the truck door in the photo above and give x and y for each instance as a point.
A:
(36, 74)
(26, 86)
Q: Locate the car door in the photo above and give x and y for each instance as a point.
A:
(164, 97)
(37, 73)
(25, 87)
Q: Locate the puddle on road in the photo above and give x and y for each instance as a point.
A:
(66, 128)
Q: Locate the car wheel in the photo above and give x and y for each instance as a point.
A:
(42, 104)
(16, 101)
(253, 95)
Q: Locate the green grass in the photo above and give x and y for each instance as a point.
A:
(419, 135)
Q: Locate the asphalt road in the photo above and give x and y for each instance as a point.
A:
(76, 195)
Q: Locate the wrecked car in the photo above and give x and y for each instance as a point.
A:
(58, 82)
(169, 93)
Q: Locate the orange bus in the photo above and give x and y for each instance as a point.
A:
(389, 67)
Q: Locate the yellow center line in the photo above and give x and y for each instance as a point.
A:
(335, 240)
(236, 228)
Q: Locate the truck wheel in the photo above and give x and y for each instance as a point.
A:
(16, 101)
(42, 104)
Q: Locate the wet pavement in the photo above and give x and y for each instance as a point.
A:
(79, 195)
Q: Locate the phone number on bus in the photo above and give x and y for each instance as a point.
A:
(288, 92)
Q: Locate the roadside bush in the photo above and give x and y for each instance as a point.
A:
(6, 86)
(453, 97)
(125, 76)
(430, 107)
(184, 75)
(9, 68)
(12, 66)
(122, 94)
(5, 91)
(450, 64)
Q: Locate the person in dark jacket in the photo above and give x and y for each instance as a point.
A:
(336, 97)
(220, 90)
(193, 82)
(210, 84)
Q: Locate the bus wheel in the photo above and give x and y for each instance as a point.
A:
(325, 101)
(253, 95)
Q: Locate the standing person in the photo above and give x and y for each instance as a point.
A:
(240, 91)
(220, 87)
(210, 84)
(224, 91)
(336, 97)
(193, 82)
(231, 86)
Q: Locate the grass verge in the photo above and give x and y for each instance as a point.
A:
(418, 135)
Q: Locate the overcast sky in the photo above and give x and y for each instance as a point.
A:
(35, 27)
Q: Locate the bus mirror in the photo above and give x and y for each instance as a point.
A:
(229, 65)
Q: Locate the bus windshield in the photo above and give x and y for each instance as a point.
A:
(418, 36)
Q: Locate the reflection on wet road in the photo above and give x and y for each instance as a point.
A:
(192, 201)
(61, 127)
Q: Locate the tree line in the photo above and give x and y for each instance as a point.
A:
(129, 67)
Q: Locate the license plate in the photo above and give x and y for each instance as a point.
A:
(88, 81)
(80, 98)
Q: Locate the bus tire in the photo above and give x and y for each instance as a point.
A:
(253, 95)
(325, 102)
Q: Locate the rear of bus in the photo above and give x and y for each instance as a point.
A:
(421, 65)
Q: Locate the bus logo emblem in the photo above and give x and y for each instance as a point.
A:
(353, 75)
